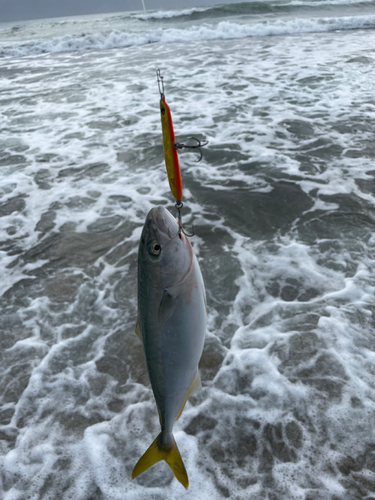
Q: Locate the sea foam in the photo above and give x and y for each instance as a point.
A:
(168, 14)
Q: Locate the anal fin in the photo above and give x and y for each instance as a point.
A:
(195, 384)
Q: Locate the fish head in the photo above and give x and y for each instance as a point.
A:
(164, 251)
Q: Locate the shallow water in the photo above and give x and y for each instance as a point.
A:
(283, 210)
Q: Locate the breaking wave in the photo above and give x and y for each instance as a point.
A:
(244, 9)
(223, 30)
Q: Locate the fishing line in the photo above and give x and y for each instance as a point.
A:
(149, 34)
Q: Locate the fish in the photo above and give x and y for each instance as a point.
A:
(172, 317)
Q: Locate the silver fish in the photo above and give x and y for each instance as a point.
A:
(172, 325)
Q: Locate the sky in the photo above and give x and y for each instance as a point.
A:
(18, 10)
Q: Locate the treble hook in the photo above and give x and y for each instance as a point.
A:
(179, 206)
(178, 145)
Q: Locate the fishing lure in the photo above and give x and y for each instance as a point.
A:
(171, 146)
(170, 152)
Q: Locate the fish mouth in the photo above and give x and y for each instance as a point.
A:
(164, 221)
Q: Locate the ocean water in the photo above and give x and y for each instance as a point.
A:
(283, 207)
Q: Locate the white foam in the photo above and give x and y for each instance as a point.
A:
(168, 14)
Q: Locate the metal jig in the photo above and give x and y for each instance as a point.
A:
(179, 206)
(178, 145)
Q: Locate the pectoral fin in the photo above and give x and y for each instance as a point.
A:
(195, 384)
(166, 308)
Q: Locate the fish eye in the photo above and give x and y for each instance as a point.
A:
(154, 247)
(162, 109)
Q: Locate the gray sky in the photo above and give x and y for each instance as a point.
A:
(17, 10)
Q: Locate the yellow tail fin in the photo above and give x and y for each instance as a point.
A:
(157, 452)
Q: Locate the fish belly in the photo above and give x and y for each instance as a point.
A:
(182, 339)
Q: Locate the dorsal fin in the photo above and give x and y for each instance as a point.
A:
(138, 331)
